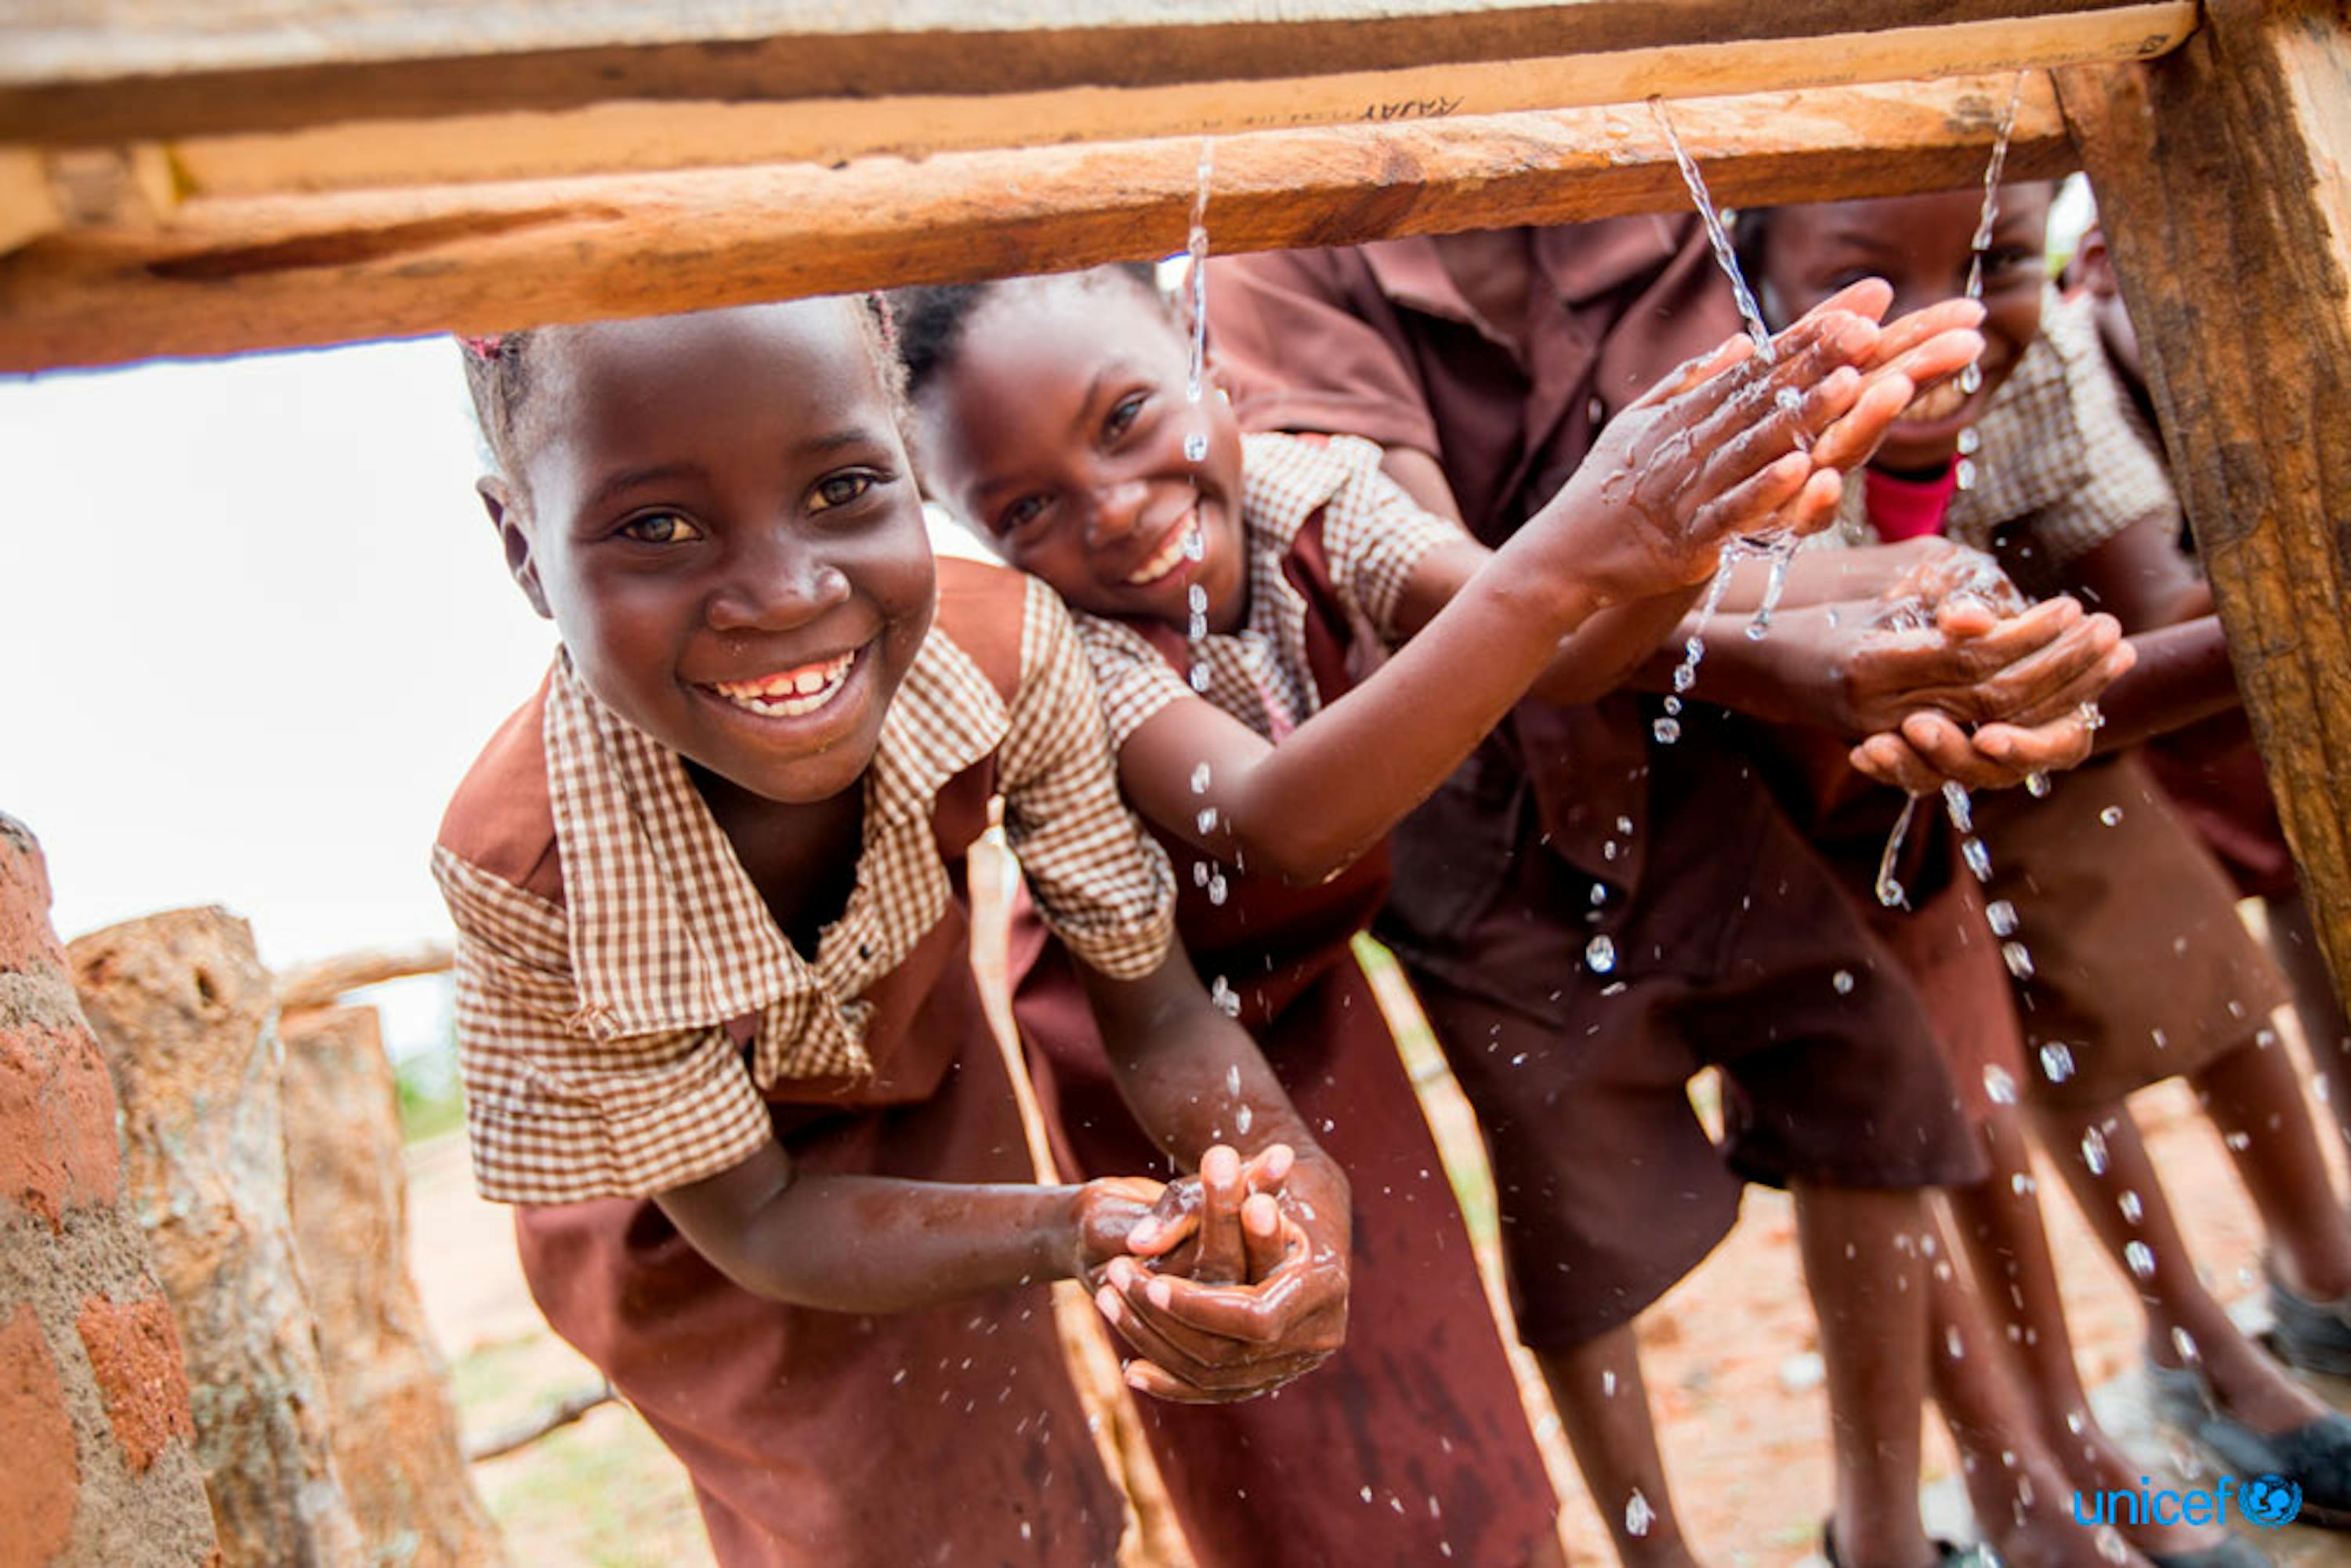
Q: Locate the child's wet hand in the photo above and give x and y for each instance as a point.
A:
(1195, 1229)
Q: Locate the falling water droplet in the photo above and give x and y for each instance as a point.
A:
(2022, 1185)
(2141, 1259)
(2132, 1208)
(1978, 858)
(1200, 777)
(2239, 1142)
(2019, 961)
(1666, 731)
(1197, 244)
(1971, 380)
(1217, 890)
(2056, 1061)
(2036, 784)
(1889, 891)
(1200, 873)
(1600, 955)
(1963, 473)
(2000, 915)
(1842, 981)
(1228, 1003)
(2184, 1343)
(1241, 1120)
(1199, 677)
(1638, 1515)
(1608, 1386)
(1196, 448)
(1999, 1084)
(2094, 1151)
(1969, 442)
(1207, 820)
(2111, 815)
(1958, 807)
(1952, 1345)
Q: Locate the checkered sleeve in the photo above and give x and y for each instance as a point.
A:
(556, 1113)
(1103, 885)
(1134, 681)
(1375, 535)
(2120, 482)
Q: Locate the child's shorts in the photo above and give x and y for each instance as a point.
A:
(1738, 949)
(2141, 968)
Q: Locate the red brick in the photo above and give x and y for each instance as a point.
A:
(57, 1146)
(25, 940)
(134, 1349)
(40, 1480)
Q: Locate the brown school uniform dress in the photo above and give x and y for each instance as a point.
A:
(1411, 1444)
(1590, 921)
(2109, 882)
(631, 1018)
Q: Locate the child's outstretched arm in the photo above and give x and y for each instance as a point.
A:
(1711, 453)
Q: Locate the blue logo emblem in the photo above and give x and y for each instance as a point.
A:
(2270, 1500)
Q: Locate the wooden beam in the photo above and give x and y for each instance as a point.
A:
(888, 77)
(621, 133)
(225, 276)
(2221, 181)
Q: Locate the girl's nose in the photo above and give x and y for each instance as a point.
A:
(1116, 510)
(774, 584)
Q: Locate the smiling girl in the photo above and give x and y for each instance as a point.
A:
(720, 1038)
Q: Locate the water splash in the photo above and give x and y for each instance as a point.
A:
(1716, 235)
(1195, 245)
(1668, 729)
(1964, 472)
(1890, 892)
(1228, 1003)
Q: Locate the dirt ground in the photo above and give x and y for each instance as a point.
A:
(1743, 1427)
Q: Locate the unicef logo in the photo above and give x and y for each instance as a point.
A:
(2270, 1500)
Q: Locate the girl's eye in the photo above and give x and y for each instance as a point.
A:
(839, 489)
(1020, 514)
(660, 528)
(1123, 417)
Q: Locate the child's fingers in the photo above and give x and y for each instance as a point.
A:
(1695, 371)
(1848, 439)
(1264, 1377)
(1888, 760)
(1753, 504)
(1946, 749)
(1267, 1168)
(1944, 354)
(2057, 678)
(1261, 1235)
(1223, 1257)
(1870, 298)
(1899, 336)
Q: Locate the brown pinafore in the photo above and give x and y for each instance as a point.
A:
(1410, 1445)
(950, 1435)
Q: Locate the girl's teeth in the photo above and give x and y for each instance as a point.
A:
(1160, 565)
(790, 692)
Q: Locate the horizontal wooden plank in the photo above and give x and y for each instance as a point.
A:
(234, 274)
(641, 135)
(112, 70)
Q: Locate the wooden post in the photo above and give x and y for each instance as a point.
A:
(2222, 185)
(394, 1428)
(181, 1008)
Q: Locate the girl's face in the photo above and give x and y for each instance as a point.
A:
(1922, 245)
(717, 515)
(1059, 426)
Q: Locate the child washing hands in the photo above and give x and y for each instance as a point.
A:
(721, 1041)
(1229, 593)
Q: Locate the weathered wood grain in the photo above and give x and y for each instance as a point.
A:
(225, 276)
(2221, 183)
(94, 70)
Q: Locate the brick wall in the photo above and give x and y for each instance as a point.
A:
(94, 1415)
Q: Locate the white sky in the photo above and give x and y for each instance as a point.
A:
(255, 626)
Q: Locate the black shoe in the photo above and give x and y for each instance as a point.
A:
(2313, 1336)
(2316, 1456)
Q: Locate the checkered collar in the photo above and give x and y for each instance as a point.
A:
(666, 929)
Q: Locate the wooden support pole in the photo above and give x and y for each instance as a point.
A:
(225, 275)
(181, 1006)
(394, 1425)
(2221, 180)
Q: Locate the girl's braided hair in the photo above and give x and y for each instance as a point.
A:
(500, 374)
